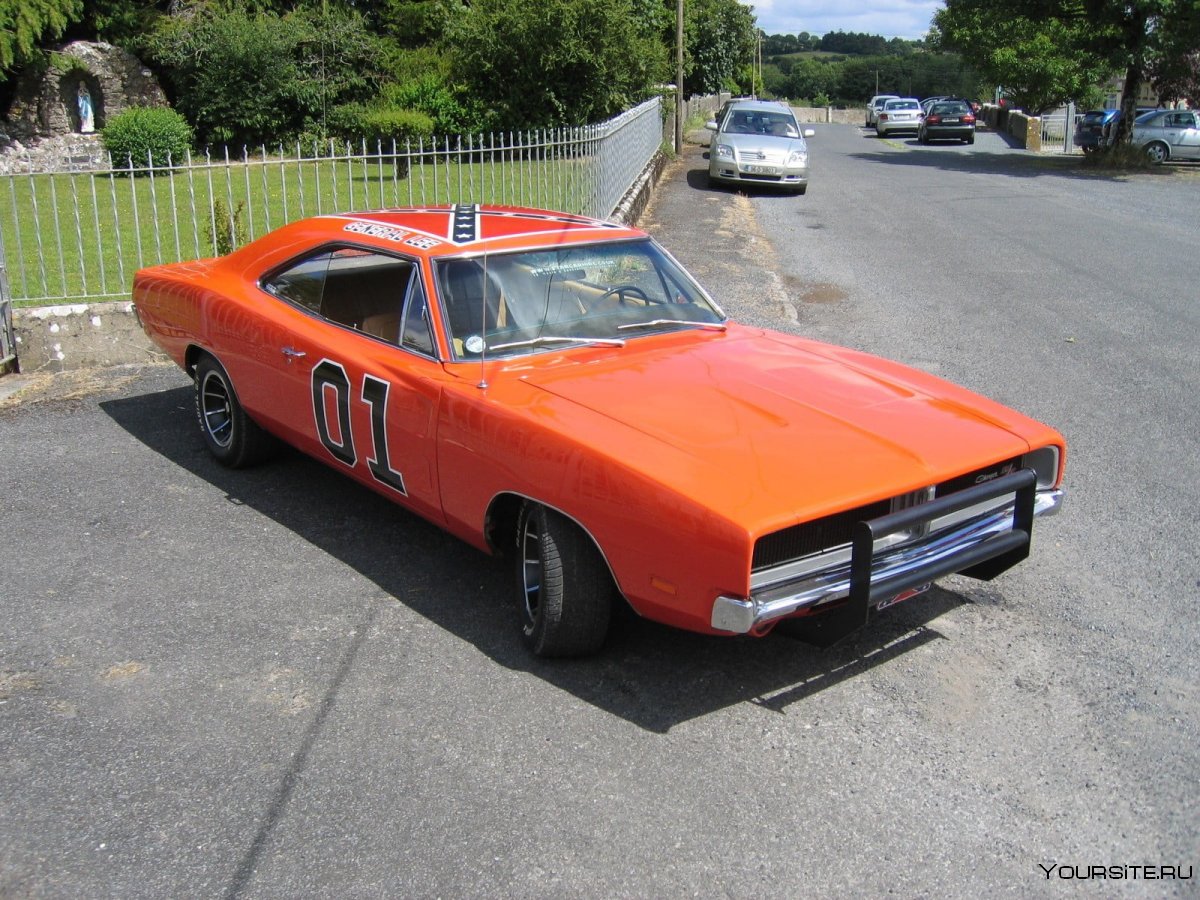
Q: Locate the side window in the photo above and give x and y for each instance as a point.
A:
(302, 284)
(417, 334)
(362, 290)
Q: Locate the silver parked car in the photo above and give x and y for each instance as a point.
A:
(1168, 134)
(902, 114)
(759, 142)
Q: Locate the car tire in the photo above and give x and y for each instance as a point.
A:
(802, 190)
(1158, 152)
(231, 436)
(969, 139)
(922, 138)
(564, 589)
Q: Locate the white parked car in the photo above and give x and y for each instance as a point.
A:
(876, 105)
(901, 114)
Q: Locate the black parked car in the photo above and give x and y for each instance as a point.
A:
(948, 120)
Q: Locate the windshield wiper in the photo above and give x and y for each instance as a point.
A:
(712, 326)
(550, 339)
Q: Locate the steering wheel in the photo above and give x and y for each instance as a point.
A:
(621, 290)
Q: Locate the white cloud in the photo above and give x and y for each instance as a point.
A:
(891, 18)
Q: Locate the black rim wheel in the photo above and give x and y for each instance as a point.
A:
(216, 410)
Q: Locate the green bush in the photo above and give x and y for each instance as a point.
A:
(143, 136)
(229, 228)
(354, 122)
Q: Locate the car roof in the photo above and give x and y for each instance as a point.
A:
(444, 231)
(760, 105)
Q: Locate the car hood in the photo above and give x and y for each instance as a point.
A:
(768, 143)
(769, 429)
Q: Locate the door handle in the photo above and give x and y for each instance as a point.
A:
(293, 353)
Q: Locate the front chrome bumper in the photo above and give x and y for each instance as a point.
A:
(979, 532)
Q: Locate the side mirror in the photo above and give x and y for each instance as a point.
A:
(809, 132)
(711, 125)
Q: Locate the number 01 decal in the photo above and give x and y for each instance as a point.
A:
(329, 381)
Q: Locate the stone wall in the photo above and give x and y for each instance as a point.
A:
(806, 115)
(46, 102)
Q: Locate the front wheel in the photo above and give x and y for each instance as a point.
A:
(230, 435)
(564, 588)
(1158, 152)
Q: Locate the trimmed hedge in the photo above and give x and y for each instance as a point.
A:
(144, 136)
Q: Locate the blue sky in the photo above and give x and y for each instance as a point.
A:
(890, 18)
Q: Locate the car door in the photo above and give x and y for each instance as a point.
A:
(1189, 136)
(355, 372)
(1174, 130)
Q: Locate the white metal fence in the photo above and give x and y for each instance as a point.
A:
(8, 350)
(1058, 130)
(81, 235)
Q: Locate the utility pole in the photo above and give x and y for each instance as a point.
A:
(678, 76)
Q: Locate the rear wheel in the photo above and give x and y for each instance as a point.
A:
(1158, 152)
(970, 139)
(564, 588)
(230, 435)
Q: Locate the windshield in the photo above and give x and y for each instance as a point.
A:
(756, 121)
(606, 293)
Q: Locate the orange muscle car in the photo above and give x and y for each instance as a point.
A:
(559, 389)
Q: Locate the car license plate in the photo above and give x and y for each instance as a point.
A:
(949, 120)
(761, 170)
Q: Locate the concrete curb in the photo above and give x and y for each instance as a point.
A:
(80, 336)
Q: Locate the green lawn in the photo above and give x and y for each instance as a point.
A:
(70, 237)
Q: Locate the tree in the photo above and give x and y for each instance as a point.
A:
(1045, 52)
(1175, 68)
(23, 23)
(1041, 61)
(542, 63)
(719, 42)
(251, 78)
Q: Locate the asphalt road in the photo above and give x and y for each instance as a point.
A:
(272, 683)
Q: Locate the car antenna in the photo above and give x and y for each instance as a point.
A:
(483, 384)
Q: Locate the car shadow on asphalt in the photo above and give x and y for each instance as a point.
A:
(697, 179)
(650, 675)
(956, 158)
